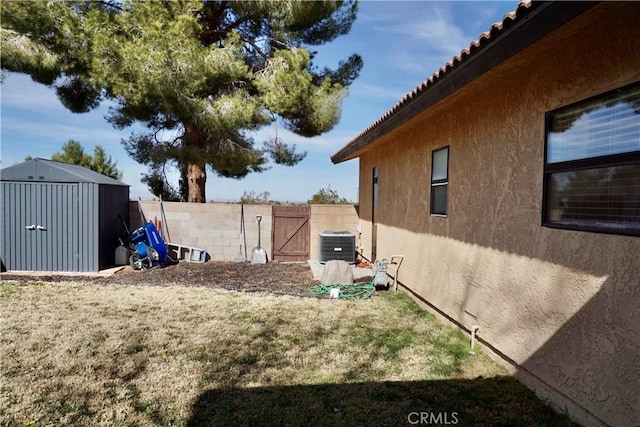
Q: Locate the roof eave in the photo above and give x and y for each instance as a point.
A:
(530, 23)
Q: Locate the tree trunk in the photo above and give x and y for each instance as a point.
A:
(197, 179)
(196, 172)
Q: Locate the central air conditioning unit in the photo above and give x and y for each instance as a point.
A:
(337, 245)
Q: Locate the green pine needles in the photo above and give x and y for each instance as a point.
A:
(198, 76)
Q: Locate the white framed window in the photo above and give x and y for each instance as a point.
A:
(439, 181)
(592, 164)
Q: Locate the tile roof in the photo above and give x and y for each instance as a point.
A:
(488, 38)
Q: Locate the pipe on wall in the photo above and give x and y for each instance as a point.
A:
(474, 331)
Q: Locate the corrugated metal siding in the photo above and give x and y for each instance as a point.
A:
(49, 205)
(88, 224)
(78, 208)
(11, 246)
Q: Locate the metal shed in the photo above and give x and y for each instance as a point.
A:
(60, 217)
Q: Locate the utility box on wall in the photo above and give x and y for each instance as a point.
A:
(337, 245)
(60, 217)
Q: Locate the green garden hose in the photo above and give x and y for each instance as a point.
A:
(357, 291)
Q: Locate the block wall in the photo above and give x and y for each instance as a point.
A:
(332, 217)
(215, 227)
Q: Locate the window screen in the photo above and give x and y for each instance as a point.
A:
(592, 167)
(439, 181)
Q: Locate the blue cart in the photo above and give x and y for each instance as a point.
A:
(148, 246)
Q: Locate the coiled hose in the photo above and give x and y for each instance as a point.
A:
(357, 291)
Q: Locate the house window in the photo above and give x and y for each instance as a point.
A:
(375, 186)
(592, 165)
(439, 181)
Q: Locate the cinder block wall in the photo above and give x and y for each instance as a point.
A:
(215, 227)
(332, 217)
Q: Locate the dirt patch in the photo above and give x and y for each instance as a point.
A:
(276, 278)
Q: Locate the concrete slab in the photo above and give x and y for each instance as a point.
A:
(102, 273)
(358, 272)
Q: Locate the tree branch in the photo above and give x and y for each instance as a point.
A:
(166, 180)
(110, 5)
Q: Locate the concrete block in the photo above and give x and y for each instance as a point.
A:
(337, 271)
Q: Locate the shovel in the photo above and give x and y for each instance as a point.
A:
(258, 254)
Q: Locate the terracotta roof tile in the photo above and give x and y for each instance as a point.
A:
(509, 19)
(496, 29)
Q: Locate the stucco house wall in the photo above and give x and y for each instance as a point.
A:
(561, 307)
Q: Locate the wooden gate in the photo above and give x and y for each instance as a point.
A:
(291, 234)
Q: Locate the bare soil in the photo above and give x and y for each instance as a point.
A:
(276, 278)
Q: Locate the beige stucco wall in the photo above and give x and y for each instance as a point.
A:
(563, 306)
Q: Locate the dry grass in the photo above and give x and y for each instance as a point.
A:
(92, 355)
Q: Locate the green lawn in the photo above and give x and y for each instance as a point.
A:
(76, 354)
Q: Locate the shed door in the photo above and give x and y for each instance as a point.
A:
(291, 237)
(40, 226)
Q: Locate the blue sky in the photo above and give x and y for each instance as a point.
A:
(402, 44)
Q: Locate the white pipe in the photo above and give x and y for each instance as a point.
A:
(474, 332)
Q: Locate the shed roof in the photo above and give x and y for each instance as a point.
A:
(529, 22)
(43, 170)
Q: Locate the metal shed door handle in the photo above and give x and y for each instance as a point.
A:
(41, 227)
(30, 227)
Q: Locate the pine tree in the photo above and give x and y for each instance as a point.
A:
(197, 75)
